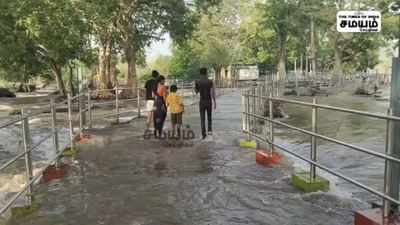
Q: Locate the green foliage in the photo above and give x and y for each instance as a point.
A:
(18, 53)
(40, 37)
(185, 64)
(162, 64)
(258, 42)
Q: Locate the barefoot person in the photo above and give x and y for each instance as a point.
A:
(206, 88)
(176, 108)
(151, 88)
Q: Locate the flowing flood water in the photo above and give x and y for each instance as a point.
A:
(121, 178)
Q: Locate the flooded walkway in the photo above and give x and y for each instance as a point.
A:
(119, 178)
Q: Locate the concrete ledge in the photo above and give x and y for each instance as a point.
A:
(18, 212)
(248, 144)
(70, 152)
(302, 181)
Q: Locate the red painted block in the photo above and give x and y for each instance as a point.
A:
(84, 139)
(53, 173)
(268, 159)
(373, 217)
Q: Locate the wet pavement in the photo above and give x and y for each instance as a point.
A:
(121, 178)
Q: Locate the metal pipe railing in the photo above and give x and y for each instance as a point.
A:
(333, 108)
(387, 199)
(28, 185)
(83, 108)
(340, 175)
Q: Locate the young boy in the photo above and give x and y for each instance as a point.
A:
(176, 108)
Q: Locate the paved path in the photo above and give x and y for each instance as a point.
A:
(121, 179)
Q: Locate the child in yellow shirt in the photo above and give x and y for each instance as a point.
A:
(176, 108)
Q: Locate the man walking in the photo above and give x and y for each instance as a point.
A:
(206, 88)
(151, 89)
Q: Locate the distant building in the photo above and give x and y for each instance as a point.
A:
(237, 72)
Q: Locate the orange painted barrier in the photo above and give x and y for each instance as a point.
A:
(268, 159)
(373, 217)
(53, 173)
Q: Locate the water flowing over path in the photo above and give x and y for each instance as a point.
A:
(119, 178)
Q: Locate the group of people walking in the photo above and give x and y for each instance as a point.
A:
(160, 101)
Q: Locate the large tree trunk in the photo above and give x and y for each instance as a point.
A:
(218, 70)
(104, 65)
(302, 64)
(338, 69)
(131, 76)
(58, 75)
(313, 49)
(71, 80)
(102, 81)
(108, 65)
(282, 59)
(113, 73)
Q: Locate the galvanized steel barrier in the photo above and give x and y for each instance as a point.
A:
(262, 94)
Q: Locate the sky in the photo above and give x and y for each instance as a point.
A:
(159, 48)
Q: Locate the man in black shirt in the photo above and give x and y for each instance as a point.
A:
(151, 88)
(206, 88)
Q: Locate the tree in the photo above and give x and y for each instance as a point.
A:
(185, 63)
(141, 22)
(102, 17)
(391, 23)
(257, 40)
(280, 16)
(18, 52)
(350, 49)
(42, 35)
(216, 39)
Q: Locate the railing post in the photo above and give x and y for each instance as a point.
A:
(394, 144)
(247, 115)
(271, 124)
(28, 159)
(70, 121)
(386, 204)
(89, 105)
(277, 88)
(54, 126)
(272, 87)
(314, 139)
(117, 103)
(253, 108)
(138, 101)
(80, 115)
(193, 92)
(243, 111)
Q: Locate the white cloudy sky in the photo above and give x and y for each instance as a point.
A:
(159, 48)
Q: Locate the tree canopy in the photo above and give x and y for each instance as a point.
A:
(41, 37)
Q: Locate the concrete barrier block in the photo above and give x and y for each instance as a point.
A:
(374, 217)
(248, 144)
(70, 152)
(84, 139)
(268, 158)
(22, 211)
(302, 181)
(53, 173)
